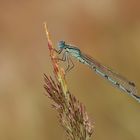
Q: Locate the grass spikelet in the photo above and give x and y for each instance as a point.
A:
(71, 113)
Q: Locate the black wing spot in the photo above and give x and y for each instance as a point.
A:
(106, 76)
(94, 68)
(132, 84)
(117, 84)
(128, 91)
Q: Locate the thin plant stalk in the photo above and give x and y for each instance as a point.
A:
(72, 114)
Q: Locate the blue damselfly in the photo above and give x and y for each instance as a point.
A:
(114, 78)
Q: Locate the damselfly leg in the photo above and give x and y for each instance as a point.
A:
(70, 64)
(114, 78)
(58, 51)
(65, 58)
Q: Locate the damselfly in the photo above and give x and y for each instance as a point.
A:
(114, 78)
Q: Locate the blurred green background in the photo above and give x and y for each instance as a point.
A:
(108, 30)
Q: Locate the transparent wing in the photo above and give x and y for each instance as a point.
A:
(115, 78)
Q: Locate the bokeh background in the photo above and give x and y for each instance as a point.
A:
(108, 30)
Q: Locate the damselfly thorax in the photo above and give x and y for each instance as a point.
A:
(110, 75)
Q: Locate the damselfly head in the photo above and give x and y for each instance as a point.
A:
(61, 44)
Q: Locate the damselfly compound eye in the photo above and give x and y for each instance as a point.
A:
(61, 44)
(114, 78)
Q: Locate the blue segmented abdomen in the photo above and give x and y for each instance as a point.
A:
(114, 78)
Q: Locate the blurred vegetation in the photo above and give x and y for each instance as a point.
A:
(106, 29)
